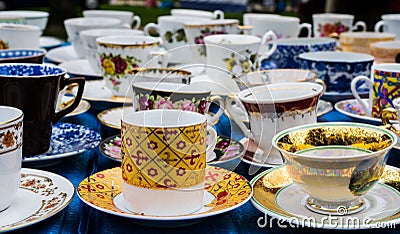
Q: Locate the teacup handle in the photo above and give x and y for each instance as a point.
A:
(379, 25)
(137, 21)
(360, 24)
(80, 81)
(235, 111)
(386, 115)
(321, 82)
(213, 119)
(150, 26)
(367, 108)
(162, 56)
(306, 26)
(218, 14)
(212, 142)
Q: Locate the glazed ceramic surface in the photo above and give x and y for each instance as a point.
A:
(18, 36)
(62, 54)
(389, 23)
(332, 24)
(126, 17)
(386, 51)
(35, 18)
(361, 41)
(22, 56)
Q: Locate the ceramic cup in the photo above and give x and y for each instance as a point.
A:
(332, 24)
(235, 54)
(389, 114)
(11, 127)
(361, 41)
(338, 69)
(385, 51)
(163, 74)
(119, 54)
(163, 166)
(36, 18)
(384, 83)
(288, 50)
(22, 56)
(127, 17)
(217, 14)
(389, 23)
(74, 25)
(13, 36)
(335, 164)
(34, 88)
(89, 37)
(274, 107)
(282, 26)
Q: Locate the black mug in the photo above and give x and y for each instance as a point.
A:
(34, 88)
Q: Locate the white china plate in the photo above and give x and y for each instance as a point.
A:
(112, 117)
(62, 54)
(41, 195)
(80, 67)
(48, 42)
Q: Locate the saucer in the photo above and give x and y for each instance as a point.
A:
(48, 42)
(62, 54)
(80, 67)
(226, 150)
(111, 117)
(253, 152)
(95, 90)
(82, 107)
(41, 195)
(220, 196)
(285, 204)
(66, 140)
(323, 107)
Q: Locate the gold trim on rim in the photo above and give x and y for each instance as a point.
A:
(21, 116)
(100, 117)
(170, 70)
(211, 25)
(116, 46)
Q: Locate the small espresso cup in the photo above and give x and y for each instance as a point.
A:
(332, 24)
(11, 120)
(164, 161)
(34, 88)
(384, 84)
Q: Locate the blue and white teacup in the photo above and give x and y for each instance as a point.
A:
(22, 56)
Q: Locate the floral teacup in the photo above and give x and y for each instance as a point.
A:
(332, 25)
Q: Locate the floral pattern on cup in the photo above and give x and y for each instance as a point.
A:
(239, 65)
(329, 28)
(11, 137)
(149, 102)
(179, 35)
(115, 67)
(4, 45)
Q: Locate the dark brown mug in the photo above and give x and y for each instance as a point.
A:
(34, 88)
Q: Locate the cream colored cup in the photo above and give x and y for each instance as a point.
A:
(332, 24)
(361, 41)
(385, 51)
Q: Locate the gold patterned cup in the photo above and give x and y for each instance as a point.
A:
(10, 153)
(164, 160)
(335, 163)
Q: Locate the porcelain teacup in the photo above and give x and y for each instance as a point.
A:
(127, 17)
(389, 23)
(333, 24)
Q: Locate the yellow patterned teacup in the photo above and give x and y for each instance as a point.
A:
(164, 161)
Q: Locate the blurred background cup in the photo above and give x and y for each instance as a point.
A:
(161, 74)
(282, 26)
(361, 41)
(217, 14)
(19, 36)
(89, 37)
(11, 126)
(22, 55)
(288, 50)
(332, 24)
(235, 54)
(120, 54)
(390, 23)
(74, 25)
(383, 85)
(36, 18)
(127, 17)
(173, 143)
(34, 88)
(385, 51)
(271, 108)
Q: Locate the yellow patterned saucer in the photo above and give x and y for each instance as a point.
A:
(225, 191)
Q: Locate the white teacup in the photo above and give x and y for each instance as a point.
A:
(19, 36)
(36, 18)
(332, 24)
(217, 14)
(10, 154)
(126, 17)
(389, 23)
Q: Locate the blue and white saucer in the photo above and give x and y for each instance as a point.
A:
(66, 140)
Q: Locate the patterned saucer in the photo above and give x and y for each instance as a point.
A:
(277, 196)
(41, 195)
(225, 191)
(66, 140)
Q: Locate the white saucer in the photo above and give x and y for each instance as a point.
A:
(112, 117)
(48, 42)
(35, 203)
(62, 54)
(80, 67)
(82, 107)
(95, 90)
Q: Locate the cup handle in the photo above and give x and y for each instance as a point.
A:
(213, 119)
(137, 21)
(379, 25)
(360, 24)
(270, 35)
(212, 137)
(386, 115)
(353, 88)
(80, 81)
(235, 111)
(151, 26)
(218, 14)
(306, 26)
(161, 55)
(321, 82)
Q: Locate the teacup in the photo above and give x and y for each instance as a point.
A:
(235, 54)
(389, 23)
(22, 56)
(335, 164)
(164, 161)
(19, 36)
(360, 41)
(89, 37)
(282, 26)
(127, 17)
(119, 54)
(74, 25)
(217, 14)
(162, 74)
(332, 24)
(36, 18)
(383, 88)
(271, 108)
(10, 153)
(385, 51)
(34, 88)
(338, 69)
(389, 114)
(288, 50)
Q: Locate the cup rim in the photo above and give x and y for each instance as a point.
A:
(387, 67)
(317, 56)
(366, 35)
(304, 41)
(243, 39)
(146, 41)
(107, 12)
(332, 16)
(390, 17)
(282, 133)
(99, 21)
(386, 45)
(99, 32)
(64, 71)
(18, 114)
(211, 23)
(175, 88)
(23, 14)
(40, 52)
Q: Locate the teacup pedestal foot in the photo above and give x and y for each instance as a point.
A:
(335, 208)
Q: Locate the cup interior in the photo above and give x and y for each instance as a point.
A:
(29, 70)
(9, 114)
(336, 56)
